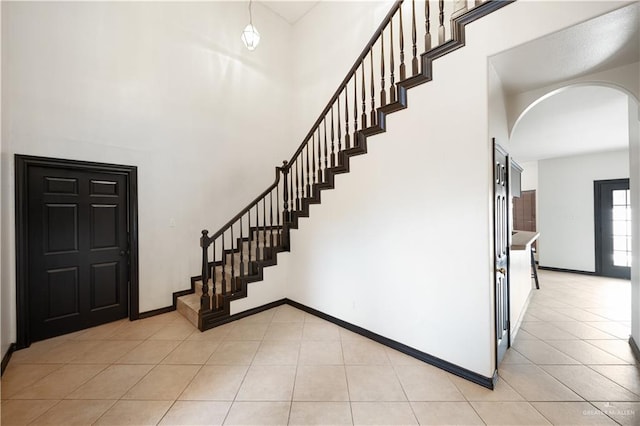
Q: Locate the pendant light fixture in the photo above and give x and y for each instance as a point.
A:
(250, 35)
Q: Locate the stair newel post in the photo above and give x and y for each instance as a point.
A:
(333, 157)
(441, 19)
(205, 300)
(285, 193)
(373, 89)
(392, 87)
(278, 215)
(414, 38)
(427, 27)
(383, 92)
(347, 141)
(403, 68)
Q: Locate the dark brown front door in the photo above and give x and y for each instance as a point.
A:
(501, 244)
(78, 250)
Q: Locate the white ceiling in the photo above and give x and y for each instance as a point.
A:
(577, 120)
(290, 10)
(605, 42)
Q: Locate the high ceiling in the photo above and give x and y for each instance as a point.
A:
(290, 10)
(605, 42)
(577, 120)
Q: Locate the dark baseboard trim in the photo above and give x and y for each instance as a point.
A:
(571, 271)
(154, 312)
(6, 358)
(634, 348)
(487, 382)
(250, 312)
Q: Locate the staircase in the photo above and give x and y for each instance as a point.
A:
(238, 252)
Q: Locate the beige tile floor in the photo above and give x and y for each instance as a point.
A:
(569, 365)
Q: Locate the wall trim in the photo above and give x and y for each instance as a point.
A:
(6, 358)
(634, 348)
(154, 312)
(487, 382)
(571, 271)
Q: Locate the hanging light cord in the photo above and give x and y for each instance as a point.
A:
(250, 17)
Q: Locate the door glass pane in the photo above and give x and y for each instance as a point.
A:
(621, 221)
(619, 197)
(619, 243)
(620, 227)
(619, 213)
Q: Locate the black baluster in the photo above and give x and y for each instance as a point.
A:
(363, 119)
(427, 27)
(240, 248)
(339, 130)
(205, 301)
(392, 88)
(257, 233)
(403, 70)
(383, 91)
(264, 223)
(347, 141)
(285, 193)
(441, 18)
(414, 39)
(355, 108)
(249, 239)
(326, 149)
(333, 157)
(233, 264)
(313, 158)
(214, 291)
(224, 269)
(373, 90)
(293, 204)
(271, 218)
(319, 158)
(297, 187)
(308, 185)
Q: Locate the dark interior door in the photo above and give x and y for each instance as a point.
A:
(613, 228)
(501, 244)
(78, 250)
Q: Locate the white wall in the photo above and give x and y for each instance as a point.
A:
(565, 200)
(634, 186)
(325, 44)
(166, 87)
(529, 175)
(402, 247)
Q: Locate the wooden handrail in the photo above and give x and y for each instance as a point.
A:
(208, 240)
(346, 80)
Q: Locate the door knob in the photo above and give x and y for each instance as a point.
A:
(502, 271)
(123, 253)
